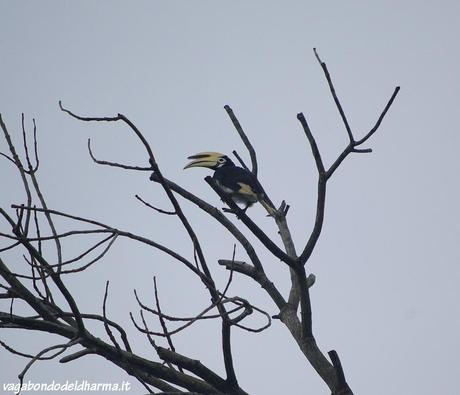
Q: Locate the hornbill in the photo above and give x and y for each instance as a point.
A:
(240, 184)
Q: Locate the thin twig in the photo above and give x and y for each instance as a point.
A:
(162, 321)
(86, 252)
(182, 327)
(153, 207)
(129, 235)
(20, 168)
(199, 316)
(240, 160)
(334, 95)
(380, 119)
(34, 278)
(56, 279)
(260, 329)
(112, 239)
(118, 117)
(113, 324)
(11, 246)
(147, 330)
(32, 173)
(22, 354)
(106, 326)
(49, 295)
(313, 145)
(37, 159)
(244, 138)
(25, 294)
(230, 277)
(115, 164)
(93, 261)
(62, 348)
(241, 304)
(7, 157)
(24, 140)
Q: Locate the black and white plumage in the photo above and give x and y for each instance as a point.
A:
(240, 184)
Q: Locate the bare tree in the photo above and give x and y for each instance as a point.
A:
(42, 277)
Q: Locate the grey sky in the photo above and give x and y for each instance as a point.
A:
(387, 263)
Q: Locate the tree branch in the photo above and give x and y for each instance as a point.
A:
(20, 168)
(25, 294)
(343, 388)
(129, 235)
(56, 279)
(380, 119)
(197, 368)
(106, 325)
(245, 139)
(334, 95)
(313, 145)
(115, 164)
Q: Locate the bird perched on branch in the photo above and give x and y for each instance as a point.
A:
(240, 184)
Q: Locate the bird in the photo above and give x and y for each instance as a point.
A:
(240, 184)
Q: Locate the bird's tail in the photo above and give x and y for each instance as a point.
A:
(270, 209)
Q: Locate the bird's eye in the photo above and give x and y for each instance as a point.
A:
(221, 160)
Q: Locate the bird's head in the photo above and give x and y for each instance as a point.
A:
(211, 160)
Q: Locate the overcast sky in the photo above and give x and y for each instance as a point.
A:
(387, 263)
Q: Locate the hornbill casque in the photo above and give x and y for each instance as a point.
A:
(240, 184)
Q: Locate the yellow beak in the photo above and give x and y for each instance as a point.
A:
(204, 159)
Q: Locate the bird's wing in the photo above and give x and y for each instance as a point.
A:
(249, 192)
(246, 189)
(243, 181)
